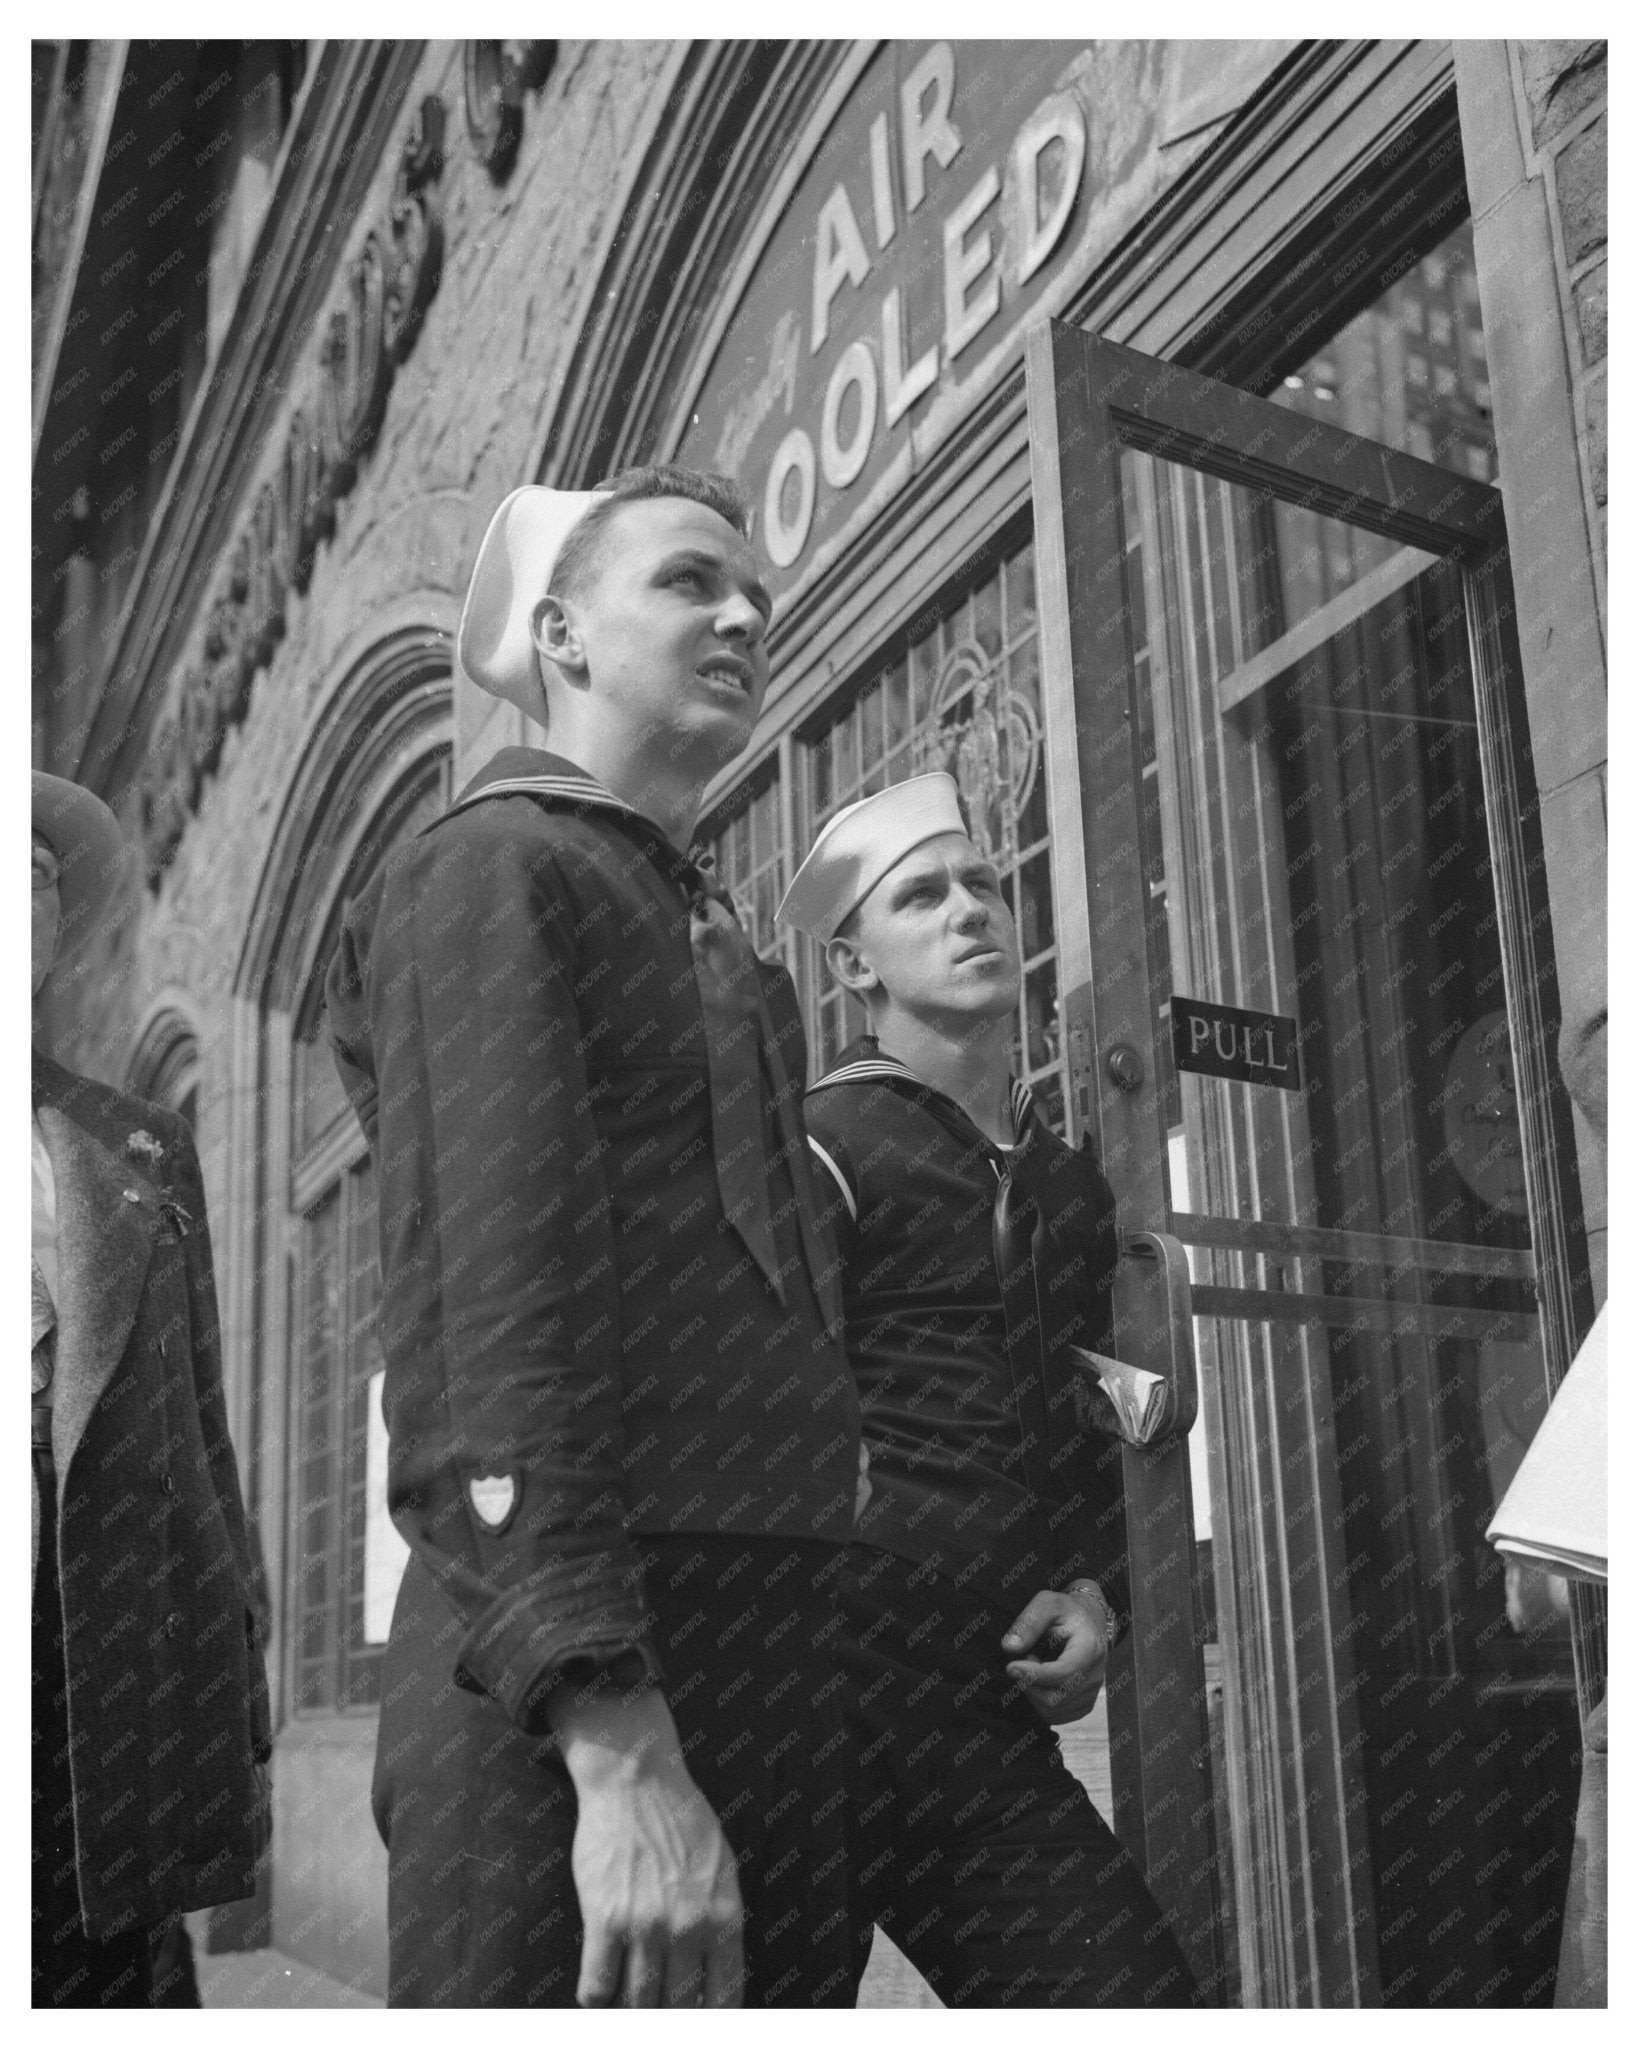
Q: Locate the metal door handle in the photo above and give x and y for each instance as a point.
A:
(1163, 1266)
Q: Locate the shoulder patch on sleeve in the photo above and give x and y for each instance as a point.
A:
(495, 1497)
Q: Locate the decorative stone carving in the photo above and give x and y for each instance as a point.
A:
(498, 74)
(415, 234)
(384, 295)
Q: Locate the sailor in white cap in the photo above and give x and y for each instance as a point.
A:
(988, 1577)
(617, 1399)
(145, 1626)
(650, 689)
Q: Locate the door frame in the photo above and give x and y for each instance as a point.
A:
(1311, 1941)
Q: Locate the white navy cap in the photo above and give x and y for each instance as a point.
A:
(510, 577)
(860, 844)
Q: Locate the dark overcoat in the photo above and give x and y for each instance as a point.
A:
(167, 1696)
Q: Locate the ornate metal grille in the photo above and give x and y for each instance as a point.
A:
(964, 697)
(751, 864)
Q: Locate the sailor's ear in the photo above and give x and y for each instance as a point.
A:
(553, 629)
(849, 966)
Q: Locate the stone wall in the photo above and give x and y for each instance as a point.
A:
(463, 422)
(1564, 88)
(1534, 145)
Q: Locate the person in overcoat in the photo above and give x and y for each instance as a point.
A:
(150, 1711)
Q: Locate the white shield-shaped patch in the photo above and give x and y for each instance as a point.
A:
(494, 1497)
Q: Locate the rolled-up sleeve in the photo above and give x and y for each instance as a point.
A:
(500, 1317)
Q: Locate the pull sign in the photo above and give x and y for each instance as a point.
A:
(1235, 1045)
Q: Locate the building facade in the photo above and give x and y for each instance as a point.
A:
(1197, 449)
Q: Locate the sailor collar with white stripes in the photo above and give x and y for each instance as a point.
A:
(873, 1065)
(563, 783)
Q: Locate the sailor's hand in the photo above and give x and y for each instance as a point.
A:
(659, 1893)
(862, 1485)
(1071, 1626)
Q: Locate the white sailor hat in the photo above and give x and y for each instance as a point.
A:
(515, 562)
(860, 844)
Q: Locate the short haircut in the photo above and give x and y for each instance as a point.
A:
(579, 557)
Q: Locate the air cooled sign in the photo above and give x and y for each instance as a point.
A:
(961, 187)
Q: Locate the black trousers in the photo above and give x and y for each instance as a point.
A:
(70, 1967)
(479, 1817)
(969, 1840)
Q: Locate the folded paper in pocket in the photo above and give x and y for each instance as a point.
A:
(1123, 1400)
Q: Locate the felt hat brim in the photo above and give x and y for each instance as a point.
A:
(95, 857)
(515, 561)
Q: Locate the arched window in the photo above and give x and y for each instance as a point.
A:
(376, 770)
(165, 1065)
(345, 1557)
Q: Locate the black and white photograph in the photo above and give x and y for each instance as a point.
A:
(819, 1008)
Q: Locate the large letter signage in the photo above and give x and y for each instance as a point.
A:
(387, 289)
(960, 189)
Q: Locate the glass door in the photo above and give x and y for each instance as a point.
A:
(1308, 984)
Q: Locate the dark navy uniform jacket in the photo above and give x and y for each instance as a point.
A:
(954, 1481)
(578, 1350)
